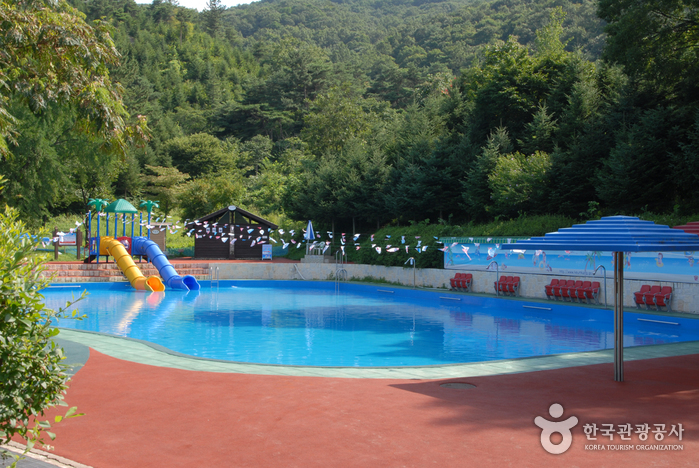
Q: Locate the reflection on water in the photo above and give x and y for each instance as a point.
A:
(298, 326)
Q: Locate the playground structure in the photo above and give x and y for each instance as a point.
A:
(123, 248)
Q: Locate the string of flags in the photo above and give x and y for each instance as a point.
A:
(262, 235)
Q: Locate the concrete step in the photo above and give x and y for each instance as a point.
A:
(109, 272)
(102, 279)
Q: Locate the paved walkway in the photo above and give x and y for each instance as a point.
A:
(192, 412)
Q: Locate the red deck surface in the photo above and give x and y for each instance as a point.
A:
(144, 416)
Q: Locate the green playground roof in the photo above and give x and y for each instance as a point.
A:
(120, 206)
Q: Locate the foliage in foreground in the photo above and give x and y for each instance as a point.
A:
(32, 378)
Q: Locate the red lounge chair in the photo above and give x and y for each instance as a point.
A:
(571, 290)
(466, 281)
(462, 282)
(549, 288)
(500, 285)
(557, 290)
(648, 297)
(580, 292)
(638, 295)
(513, 286)
(592, 292)
(663, 298)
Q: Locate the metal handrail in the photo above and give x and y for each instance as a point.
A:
(340, 272)
(605, 282)
(497, 276)
(299, 271)
(412, 262)
(213, 269)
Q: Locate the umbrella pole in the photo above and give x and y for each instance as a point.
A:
(619, 316)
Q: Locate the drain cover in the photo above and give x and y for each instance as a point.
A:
(457, 385)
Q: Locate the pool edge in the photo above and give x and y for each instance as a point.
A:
(144, 352)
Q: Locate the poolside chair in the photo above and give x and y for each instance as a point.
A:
(549, 288)
(570, 290)
(638, 295)
(557, 290)
(453, 281)
(465, 283)
(663, 298)
(461, 282)
(500, 284)
(513, 286)
(580, 292)
(592, 292)
(648, 297)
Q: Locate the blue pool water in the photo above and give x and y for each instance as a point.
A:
(308, 323)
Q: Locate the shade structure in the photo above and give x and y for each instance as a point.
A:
(120, 206)
(617, 234)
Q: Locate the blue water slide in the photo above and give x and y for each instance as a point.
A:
(145, 246)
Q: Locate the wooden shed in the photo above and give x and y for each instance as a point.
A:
(230, 233)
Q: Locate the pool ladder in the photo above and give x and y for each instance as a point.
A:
(213, 276)
(340, 272)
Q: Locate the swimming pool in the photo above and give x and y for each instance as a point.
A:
(309, 323)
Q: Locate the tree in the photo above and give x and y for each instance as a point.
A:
(50, 55)
(213, 17)
(165, 184)
(656, 42)
(477, 192)
(32, 376)
(339, 115)
(201, 154)
(210, 193)
(519, 183)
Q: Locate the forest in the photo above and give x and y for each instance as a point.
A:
(375, 113)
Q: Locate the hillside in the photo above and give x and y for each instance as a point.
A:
(371, 112)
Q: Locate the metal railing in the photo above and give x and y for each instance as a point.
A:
(497, 276)
(340, 272)
(296, 267)
(213, 276)
(605, 282)
(412, 262)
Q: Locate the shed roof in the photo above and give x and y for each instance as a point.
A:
(233, 208)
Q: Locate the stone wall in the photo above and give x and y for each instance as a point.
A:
(686, 296)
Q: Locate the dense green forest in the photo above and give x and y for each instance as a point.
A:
(367, 113)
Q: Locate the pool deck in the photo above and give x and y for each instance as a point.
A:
(149, 408)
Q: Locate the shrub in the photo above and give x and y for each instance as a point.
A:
(32, 378)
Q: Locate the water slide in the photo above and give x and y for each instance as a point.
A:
(145, 246)
(111, 246)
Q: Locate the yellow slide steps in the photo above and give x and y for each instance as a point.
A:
(111, 246)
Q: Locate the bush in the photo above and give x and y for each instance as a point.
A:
(32, 378)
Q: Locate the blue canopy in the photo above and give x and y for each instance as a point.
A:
(616, 234)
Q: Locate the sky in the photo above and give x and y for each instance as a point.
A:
(200, 4)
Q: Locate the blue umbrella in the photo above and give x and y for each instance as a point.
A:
(310, 234)
(616, 234)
